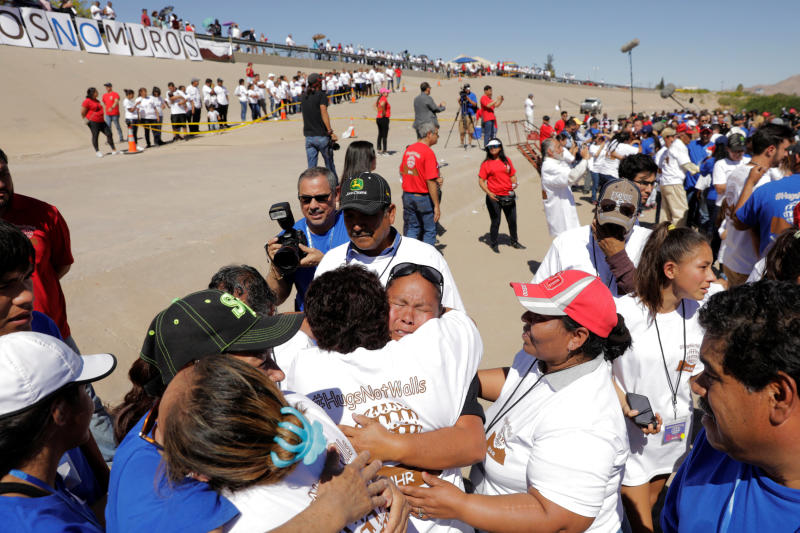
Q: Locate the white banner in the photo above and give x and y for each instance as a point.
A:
(12, 30)
(64, 31)
(219, 49)
(190, 46)
(140, 44)
(90, 36)
(117, 38)
(39, 30)
(155, 36)
(172, 42)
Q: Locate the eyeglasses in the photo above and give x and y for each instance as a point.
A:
(305, 199)
(428, 272)
(607, 205)
(149, 426)
(645, 183)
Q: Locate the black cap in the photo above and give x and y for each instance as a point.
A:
(313, 78)
(211, 322)
(107, 84)
(368, 193)
(736, 141)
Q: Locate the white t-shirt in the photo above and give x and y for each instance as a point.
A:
(213, 115)
(176, 107)
(407, 250)
(265, 507)
(740, 250)
(528, 106)
(416, 384)
(576, 249)
(610, 166)
(252, 96)
(671, 171)
(222, 94)
(559, 204)
(129, 104)
(97, 12)
(147, 107)
(641, 370)
(241, 92)
(566, 438)
(208, 95)
(193, 95)
(723, 169)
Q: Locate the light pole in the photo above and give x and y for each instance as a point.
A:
(626, 49)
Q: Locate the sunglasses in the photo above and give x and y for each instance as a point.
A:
(305, 199)
(428, 272)
(607, 205)
(149, 427)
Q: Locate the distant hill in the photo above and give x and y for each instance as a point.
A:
(788, 86)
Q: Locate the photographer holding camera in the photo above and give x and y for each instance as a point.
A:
(317, 129)
(296, 252)
(468, 105)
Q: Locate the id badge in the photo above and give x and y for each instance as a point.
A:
(676, 431)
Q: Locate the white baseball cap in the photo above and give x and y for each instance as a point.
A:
(35, 365)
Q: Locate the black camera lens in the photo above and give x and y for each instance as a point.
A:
(287, 259)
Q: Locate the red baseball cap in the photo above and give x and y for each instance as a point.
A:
(765, 113)
(682, 128)
(573, 293)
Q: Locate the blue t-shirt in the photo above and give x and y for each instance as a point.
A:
(137, 502)
(335, 236)
(46, 514)
(772, 200)
(648, 146)
(41, 323)
(698, 152)
(699, 497)
(469, 109)
(707, 167)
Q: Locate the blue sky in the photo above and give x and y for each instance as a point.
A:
(710, 44)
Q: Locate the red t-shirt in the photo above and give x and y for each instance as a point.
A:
(545, 132)
(398, 72)
(560, 125)
(95, 113)
(419, 165)
(487, 112)
(387, 111)
(49, 234)
(110, 99)
(145, 19)
(497, 175)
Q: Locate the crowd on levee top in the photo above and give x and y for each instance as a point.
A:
(651, 354)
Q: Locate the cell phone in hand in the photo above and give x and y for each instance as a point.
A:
(640, 403)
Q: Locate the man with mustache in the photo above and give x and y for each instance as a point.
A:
(743, 473)
(323, 226)
(366, 203)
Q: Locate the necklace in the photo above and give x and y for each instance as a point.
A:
(673, 390)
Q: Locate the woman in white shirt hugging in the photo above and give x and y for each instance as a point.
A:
(672, 281)
(227, 424)
(557, 443)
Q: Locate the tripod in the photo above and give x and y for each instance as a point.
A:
(459, 113)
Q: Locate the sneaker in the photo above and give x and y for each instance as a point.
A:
(494, 248)
(99, 154)
(140, 148)
(116, 152)
(517, 245)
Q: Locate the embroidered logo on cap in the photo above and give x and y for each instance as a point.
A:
(356, 184)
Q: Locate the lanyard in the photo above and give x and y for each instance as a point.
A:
(673, 390)
(500, 412)
(330, 237)
(60, 491)
(394, 253)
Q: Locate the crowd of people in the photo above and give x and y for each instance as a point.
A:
(625, 330)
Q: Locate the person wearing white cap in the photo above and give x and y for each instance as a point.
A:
(44, 411)
(557, 442)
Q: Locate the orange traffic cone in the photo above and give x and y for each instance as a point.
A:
(352, 129)
(132, 149)
(352, 97)
(283, 113)
(404, 87)
(439, 83)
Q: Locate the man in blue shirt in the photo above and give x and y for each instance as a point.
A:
(468, 105)
(323, 226)
(771, 203)
(743, 473)
(699, 151)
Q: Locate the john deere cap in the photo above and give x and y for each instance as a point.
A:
(211, 322)
(368, 193)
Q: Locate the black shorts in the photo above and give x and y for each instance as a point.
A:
(178, 118)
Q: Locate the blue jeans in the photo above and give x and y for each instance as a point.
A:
(595, 185)
(255, 112)
(489, 131)
(244, 110)
(320, 145)
(418, 218)
(114, 119)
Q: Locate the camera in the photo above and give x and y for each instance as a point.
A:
(335, 146)
(288, 257)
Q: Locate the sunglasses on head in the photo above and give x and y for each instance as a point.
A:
(428, 272)
(320, 198)
(607, 205)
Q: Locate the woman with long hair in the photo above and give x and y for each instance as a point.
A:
(384, 110)
(497, 177)
(226, 424)
(556, 437)
(93, 116)
(672, 280)
(359, 157)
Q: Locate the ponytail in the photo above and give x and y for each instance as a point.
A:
(666, 243)
(137, 401)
